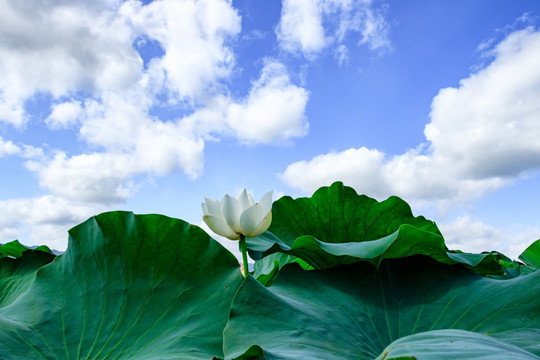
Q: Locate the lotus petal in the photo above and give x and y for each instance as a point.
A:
(220, 227)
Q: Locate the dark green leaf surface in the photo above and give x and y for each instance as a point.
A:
(128, 287)
(356, 311)
(337, 214)
(16, 275)
(15, 249)
(337, 226)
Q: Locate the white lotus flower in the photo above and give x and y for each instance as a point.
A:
(232, 217)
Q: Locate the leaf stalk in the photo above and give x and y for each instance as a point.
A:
(243, 249)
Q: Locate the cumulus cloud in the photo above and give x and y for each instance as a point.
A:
(44, 220)
(8, 148)
(273, 110)
(489, 126)
(193, 35)
(8, 234)
(84, 55)
(134, 143)
(94, 178)
(347, 166)
(22, 150)
(84, 51)
(471, 236)
(66, 48)
(64, 115)
(482, 136)
(309, 26)
(301, 26)
(59, 48)
(468, 235)
(414, 176)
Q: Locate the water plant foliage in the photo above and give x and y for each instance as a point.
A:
(337, 276)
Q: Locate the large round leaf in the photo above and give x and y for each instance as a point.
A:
(15, 249)
(356, 311)
(337, 214)
(337, 226)
(129, 286)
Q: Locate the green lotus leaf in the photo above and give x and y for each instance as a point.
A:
(452, 345)
(17, 274)
(267, 269)
(128, 287)
(15, 249)
(337, 226)
(337, 214)
(531, 255)
(356, 311)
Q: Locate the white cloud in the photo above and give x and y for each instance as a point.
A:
(413, 176)
(132, 143)
(347, 166)
(11, 109)
(273, 110)
(489, 126)
(83, 54)
(60, 48)
(8, 148)
(309, 26)
(43, 220)
(64, 115)
(471, 236)
(31, 152)
(146, 147)
(301, 26)
(468, 235)
(22, 150)
(8, 234)
(482, 136)
(94, 178)
(86, 46)
(193, 35)
(136, 144)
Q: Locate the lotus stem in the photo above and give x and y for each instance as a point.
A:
(244, 255)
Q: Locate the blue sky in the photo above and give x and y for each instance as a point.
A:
(151, 106)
